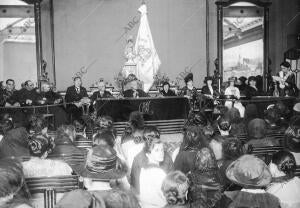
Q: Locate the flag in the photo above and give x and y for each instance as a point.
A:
(147, 59)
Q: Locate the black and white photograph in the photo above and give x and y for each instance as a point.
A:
(149, 103)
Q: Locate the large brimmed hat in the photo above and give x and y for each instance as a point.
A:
(249, 171)
(103, 164)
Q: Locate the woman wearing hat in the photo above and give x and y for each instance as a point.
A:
(209, 91)
(132, 84)
(189, 90)
(234, 92)
(253, 175)
(103, 169)
(284, 185)
(251, 89)
(166, 91)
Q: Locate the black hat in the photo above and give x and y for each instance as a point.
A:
(207, 78)
(165, 83)
(252, 78)
(188, 78)
(285, 64)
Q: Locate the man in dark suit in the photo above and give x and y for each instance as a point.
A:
(74, 96)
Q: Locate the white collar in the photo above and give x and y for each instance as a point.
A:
(254, 191)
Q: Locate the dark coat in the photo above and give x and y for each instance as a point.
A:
(205, 90)
(8, 96)
(25, 94)
(15, 143)
(251, 92)
(129, 93)
(169, 93)
(73, 96)
(50, 96)
(96, 95)
(185, 161)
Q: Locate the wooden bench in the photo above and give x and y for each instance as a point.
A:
(173, 126)
(297, 171)
(50, 186)
(72, 159)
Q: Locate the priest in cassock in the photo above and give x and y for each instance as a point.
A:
(48, 97)
(101, 92)
(28, 95)
(74, 98)
(132, 84)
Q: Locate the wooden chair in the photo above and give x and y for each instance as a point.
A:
(85, 144)
(297, 171)
(173, 126)
(50, 186)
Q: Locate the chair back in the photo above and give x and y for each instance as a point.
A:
(50, 186)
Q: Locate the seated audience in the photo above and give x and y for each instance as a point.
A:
(292, 140)
(284, 185)
(232, 149)
(132, 141)
(253, 175)
(175, 189)
(133, 91)
(105, 123)
(101, 92)
(241, 84)
(272, 119)
(224, 127)
(114, 198)
(28, 95)
(193, 141)
(166, 91)
(205, 182)
(48, 96)
(8, 97)
(257, 134)
(153, 155)
(251, 113)
(37, 124)
(12, 185)
(237, 125)
(14, 142)
(64, 147)
(75, 98)
(104, 138)
(80, 199)
(231, 90)
(38, 166)
(189, 91)
(251, 89)
(103, 170)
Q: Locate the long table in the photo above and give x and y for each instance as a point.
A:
(166, 108)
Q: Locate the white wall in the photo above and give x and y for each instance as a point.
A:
(18, 61)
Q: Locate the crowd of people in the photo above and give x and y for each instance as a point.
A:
(212, 167)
